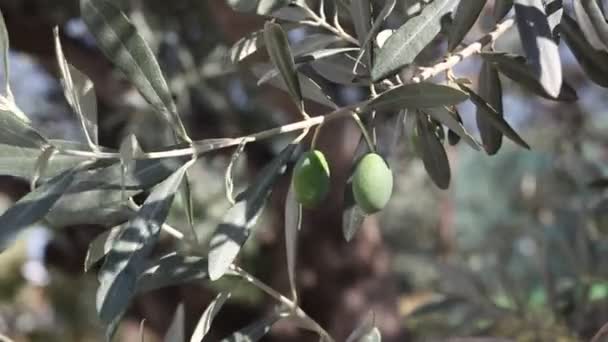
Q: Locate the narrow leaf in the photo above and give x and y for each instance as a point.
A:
(119, 40)
(417, 95)
(255, 331)
(444, 116)
(594, 62)
(431, 152)
(465, 17)
(310, 89)
(588, 27)
(80, 94)
(33, 207)
(389, 6)
(126, 260)
(4, 48)
(353, 216)
(373, 336)
(364, 328)
(339, 69)
(516, 68)
(100, 246)
(555, 12)
(597, 19)
(176, 331)
(238, 222)
(408, 41)
(494, 118)
(537, 39)
(361, 14)
(42, 164)
(204, 323)
(261, 7)
(280, 55)
(293, 222)
(16, 131)
(502, 8)
(490, 90)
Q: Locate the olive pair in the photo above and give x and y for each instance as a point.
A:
(372, 181)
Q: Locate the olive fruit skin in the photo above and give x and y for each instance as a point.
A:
(372, 183)
(311, 178)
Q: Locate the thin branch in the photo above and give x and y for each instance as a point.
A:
(468, 51)
(320, 22)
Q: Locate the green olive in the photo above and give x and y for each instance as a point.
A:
(372, 183)
(311, 178)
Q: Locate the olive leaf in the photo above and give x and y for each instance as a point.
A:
(339, 69)
(465, 16)
(417, 95)
(176, 331)
(408, 41)
(4, 47)
(126, 260)
(516, 68)
(280, 55)
(444, 116)
(352, 215)
(16, 131)
(537, 39)
(80, 94)
(237, 223)
(490, 90)
(255, 331)
(42, 163)
(293, 223)
(494, 118)
(33, 206)
(587, 26)
(555, 13)
(261, 7)
(502, 8)
(100, 246)
(594, 62)
(119, 40)
(361, 14)
(598, 22)
(363, 328)
(431, 152)
(204, 323)
(389, 6)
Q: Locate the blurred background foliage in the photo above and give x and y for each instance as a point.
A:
(516, 248)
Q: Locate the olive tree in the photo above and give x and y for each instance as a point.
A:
(402, 57)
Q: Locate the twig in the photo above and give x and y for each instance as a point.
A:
(320, 22)
(468, 51)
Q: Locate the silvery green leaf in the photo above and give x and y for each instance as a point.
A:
(443, 115)
(339, 69)
(314, 42)
(172, 269)
(126, 260)
(293, 223)
(42, 164)
(594, 62)
(15, 129)
(516, 68)
(494, 118)
(185, 193)
(555, 12)
(389, 6)
(4, 47)
(361, 14)
(261, 7)
(596, 18)
(352, 215)
(246, 46)
(204, 323)
(537, 39)
(33, 206)
(310, 89)
(255, 331)
(322, 53)
(490, 90)
(279, 51)
(389, 134)
(373, 336)
(588, 27)
(80, 94)
(465, 17)
(363, 328)
(502, 8)
(431, 152)
(408, 41)
(100, 246)
(237, 223)
(177, 328)
(417, 95)
(119, 40)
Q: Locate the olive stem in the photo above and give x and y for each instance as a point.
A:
(368, 139)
